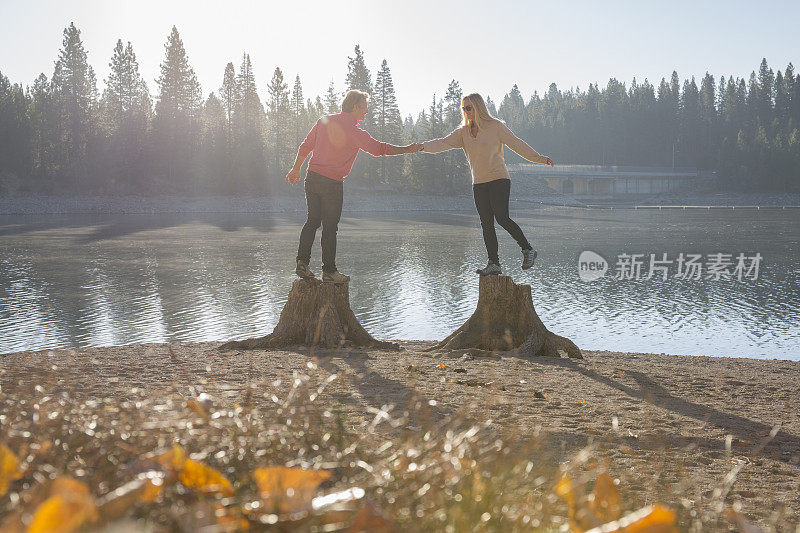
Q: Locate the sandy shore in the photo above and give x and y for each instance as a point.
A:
(671, 427)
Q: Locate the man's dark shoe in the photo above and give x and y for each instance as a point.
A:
(335, 277)
(528, 257)
(303, 270)
(491, 268)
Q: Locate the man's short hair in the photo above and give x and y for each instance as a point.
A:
(351, 99)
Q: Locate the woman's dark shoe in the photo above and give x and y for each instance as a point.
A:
(491, 268)
(528, 257)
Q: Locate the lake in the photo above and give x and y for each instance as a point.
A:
(81, 280)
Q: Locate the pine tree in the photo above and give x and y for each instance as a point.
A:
(73, 93)
(44, 123)
(456, 170)
(766, 92)
(298, 111)
(419, 177)
(490, 106)
(690, 115)
(279, 113)
(358, 75)
(246, 108)
(795, 98)
(248, 119)
(452, 108)
(512, 109)
(753, 100)
(125, 114)
(176, 124)
(781, 99)
(15, 134)
(331, 100)
(319, 109)
(229, 96)
(708, 122)
(359, 78)
(669, 112)
(114, 97)
(388, 122)
(179, 90)
(126, 92)
(434, 128)
(214, 154)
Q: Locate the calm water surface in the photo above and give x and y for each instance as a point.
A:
(69, 281)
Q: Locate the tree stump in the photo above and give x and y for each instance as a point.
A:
(505, 320)
(316, 314)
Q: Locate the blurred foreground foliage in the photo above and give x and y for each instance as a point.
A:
(283, 461)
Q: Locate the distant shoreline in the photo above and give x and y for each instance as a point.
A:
(355, 202)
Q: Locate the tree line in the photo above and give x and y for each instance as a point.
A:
(62, 136)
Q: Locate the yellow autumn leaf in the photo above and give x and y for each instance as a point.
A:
(68, 508)
(68, 485)
(370, 518)
(9, 468)
(580, 515)
(172, 460)
(152, 490)
(564, 489)
(288, 490)
(650, 519)
(659, 519)
(230, 519)
(195, 475)
(196, 407)
(607, 504)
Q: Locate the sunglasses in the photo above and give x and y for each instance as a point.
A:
(467, 108)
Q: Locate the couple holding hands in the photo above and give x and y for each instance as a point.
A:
(335, 140)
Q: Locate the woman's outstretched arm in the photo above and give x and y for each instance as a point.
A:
(451, 142)
(521, 147)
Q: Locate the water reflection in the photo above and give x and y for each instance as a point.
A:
(82, 280)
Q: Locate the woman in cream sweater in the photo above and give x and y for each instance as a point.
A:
(482, 137)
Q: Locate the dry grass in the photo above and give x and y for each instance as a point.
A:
(460, 474)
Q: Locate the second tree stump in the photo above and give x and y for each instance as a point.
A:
(505, 320)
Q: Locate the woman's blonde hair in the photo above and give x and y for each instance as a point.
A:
(482, 115)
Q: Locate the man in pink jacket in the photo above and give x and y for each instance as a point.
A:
(334, 142)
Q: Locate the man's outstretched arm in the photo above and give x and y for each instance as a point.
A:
(366, 142)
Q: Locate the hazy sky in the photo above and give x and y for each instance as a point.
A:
(486, 46)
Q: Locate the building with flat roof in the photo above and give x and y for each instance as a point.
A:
(592, 181)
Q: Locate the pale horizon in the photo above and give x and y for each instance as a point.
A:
(426, 45)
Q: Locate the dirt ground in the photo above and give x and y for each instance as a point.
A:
(670, 427)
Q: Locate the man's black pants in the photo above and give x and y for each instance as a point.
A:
(324, 197)
(491, 199)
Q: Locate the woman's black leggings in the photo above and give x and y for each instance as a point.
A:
(491, 199)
